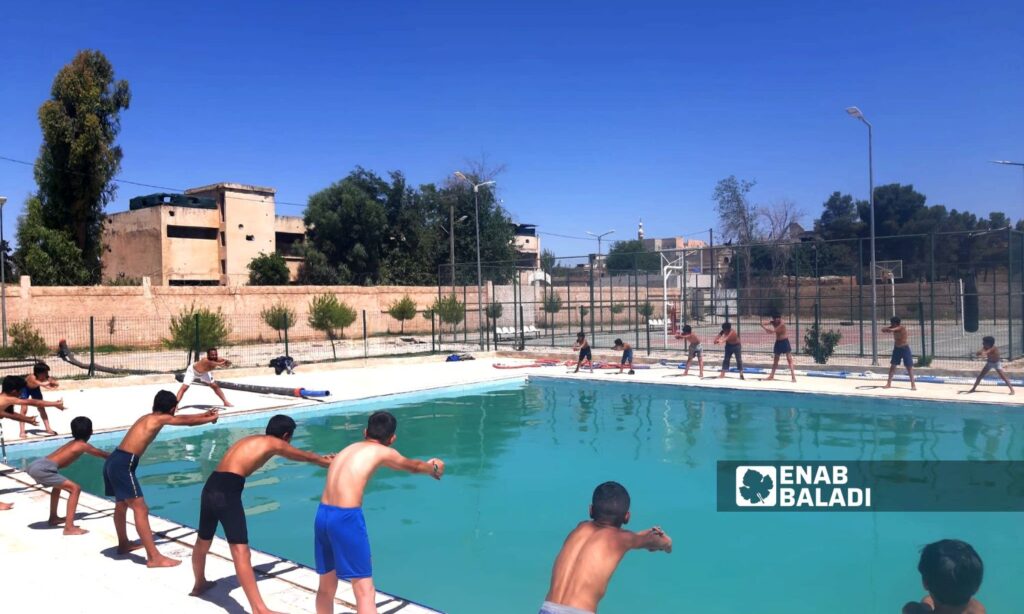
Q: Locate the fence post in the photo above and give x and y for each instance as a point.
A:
(433, 347)
(796, 297)
(286, 340)
(860, 292)
(931, 291)
(591, 297)
(636, 305)
(568, 302)
(1009, 290)
(465, 316)
(196, 320)
(92, 347)
(366, 347)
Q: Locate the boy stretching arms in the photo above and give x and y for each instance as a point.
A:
(46, 472)
(593, 551)
(782, 346)
(119, 474)
(627, 355)
(585, 354)
(221, 502)
(33, 389)
(694, 349)
(951, 572)
(991, 354)
(733, 347)
(900, 351)
(341, 545)
(202, 370)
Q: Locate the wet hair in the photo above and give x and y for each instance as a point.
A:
(610, 504)
(41, 368)
(12, 383)
(81, 428)
(280, 426)
(687, 329)
(381, 426)
(894, 320)
(951, 571)
(988, 341)
(581, 336)
(164, 402)
(618, 343)
(726, 327)
(210, 351)
(776, 316)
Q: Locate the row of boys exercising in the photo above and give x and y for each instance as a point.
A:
(730, 338)
(951, 570)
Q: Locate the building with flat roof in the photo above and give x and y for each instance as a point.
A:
(527, 244)
(206, 236)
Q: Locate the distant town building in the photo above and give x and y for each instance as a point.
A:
(204, 237)
(527, 245)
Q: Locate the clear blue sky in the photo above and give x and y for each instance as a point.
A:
(603, 112)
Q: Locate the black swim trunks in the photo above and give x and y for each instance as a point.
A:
(221, 502)
(119, 479)
(585, 354)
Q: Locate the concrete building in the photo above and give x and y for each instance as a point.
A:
(527, 244)
(206, 236)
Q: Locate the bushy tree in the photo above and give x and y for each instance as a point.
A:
(279, 317)
(403, 309)
(268, 270)
(821, 345)
(26, 341)
(450, 310)
(77, 162)
(330, 316)
(630, 255)
(315, 269)
(49, 255)
(212, 325)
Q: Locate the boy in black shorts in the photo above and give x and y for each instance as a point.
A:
(584, 350)
(221, 502)
(33, 389)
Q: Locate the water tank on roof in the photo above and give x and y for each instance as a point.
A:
(176, 200)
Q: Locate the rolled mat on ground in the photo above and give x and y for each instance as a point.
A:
(278, 390)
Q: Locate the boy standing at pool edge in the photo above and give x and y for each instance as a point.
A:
(221, 502)
(992, 362)
(46, 472)
(593, 550)
(341, 544)
(585, 354)
(782, 346)
(202, 370)
(693, 349)
(34, 384)
(733, 347)
(119, 474)
(900, 351)
(627, 355)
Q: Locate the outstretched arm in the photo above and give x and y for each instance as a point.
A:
(396, 461)
(94, 451)
(19, 418)
(652, 539)
(195, 419)
(292, 453)
(59, 403)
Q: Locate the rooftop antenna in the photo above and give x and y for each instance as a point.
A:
(640, 230)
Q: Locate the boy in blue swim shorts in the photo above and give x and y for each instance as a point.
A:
(627, 355)
(900, 351)
(341, 544)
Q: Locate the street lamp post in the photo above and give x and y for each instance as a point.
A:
(1008, 163)
(599, 278)
(3, 273)
(855, 113)
(479, 272)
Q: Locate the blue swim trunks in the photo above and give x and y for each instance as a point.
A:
(782, 346)
(627, 357)
(340, 541)
(902, 354)
(31, 393)
(119, 479)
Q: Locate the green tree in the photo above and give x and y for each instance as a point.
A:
(737, 218)
(26, 342)
(412, 243)
(268, 270)
(49, 255)
(279, 317)
(821, 345)
(494, 310)
(212, 325)
(629, 255)
(78, 158)
(450, 310)
(403, 309)
(315, 269)
(331, 317)
(645, 310)
(547, 261)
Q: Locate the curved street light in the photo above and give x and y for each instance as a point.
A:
(479, 275)
(856, 113)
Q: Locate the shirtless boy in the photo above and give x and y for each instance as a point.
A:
(203, 371)
(593, 551)
(221, 502)
(693, 349)
(34, 384)
(10, 395)
(585, 354)
(782, 345)
(732, 347)
(342, 547)
(951, 572)
(992, 362)
(46, 472)
(627, 355)
(900, 351)
(119, 474)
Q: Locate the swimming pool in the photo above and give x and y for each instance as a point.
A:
(523, 459)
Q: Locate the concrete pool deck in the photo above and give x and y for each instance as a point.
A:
(82, 574)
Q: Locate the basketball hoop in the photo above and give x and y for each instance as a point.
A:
(888, 271)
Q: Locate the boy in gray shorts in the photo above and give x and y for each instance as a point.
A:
(46, 471)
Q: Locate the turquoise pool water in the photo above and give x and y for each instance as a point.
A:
(523, 460)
